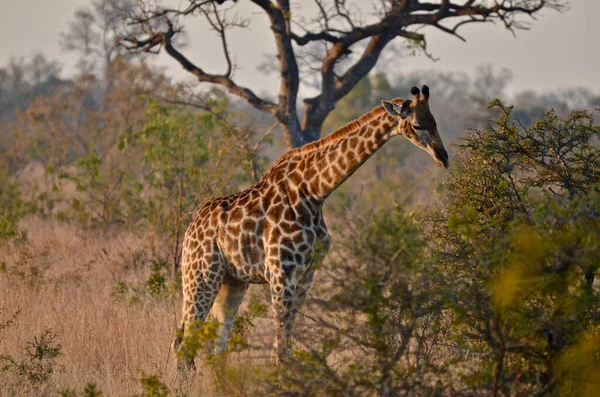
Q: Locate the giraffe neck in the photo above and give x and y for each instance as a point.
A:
(328, 166)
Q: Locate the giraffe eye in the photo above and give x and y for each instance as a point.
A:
(418, 127)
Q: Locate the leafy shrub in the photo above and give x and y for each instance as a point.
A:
(13, 208)
(493, 293)
(90, 390)
(153, 386)
(39, 362)
(518, 254)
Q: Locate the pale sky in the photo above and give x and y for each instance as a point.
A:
(562, 50)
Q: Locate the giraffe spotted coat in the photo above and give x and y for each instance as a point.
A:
(274, 232)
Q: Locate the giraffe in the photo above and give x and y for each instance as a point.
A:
(274, 232)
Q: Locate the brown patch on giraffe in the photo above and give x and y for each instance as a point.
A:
(310, 173)
(303, 215)
(293, 196)
(289, 214)
(275, 235)
(337, 173)
(314, 186)
(243, 200)
(288, 228)
(265, 202)
(249, 224)
(254, 211)
(327, 175)
(302, 165)
(344, 145)
(368, 131)
(192, 244)
(361, 147)
(352, 161)
(342, 163)
(371, 146)
(310, 237)
(278, 198)
(350, 156)
(331, 157)
(271, 190)
(285, 255)
(316, 158)
(275, 211)
(278, 176)
(303, 189)
(233, 244)
(298, 238)
(295, 177)
(303, 247)
(235, 230)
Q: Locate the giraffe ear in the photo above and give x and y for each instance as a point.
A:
(389, 107)
(402, 111)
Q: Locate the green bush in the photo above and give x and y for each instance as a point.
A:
(39, 361)
(518, 254)
(13, 208)
(492, 293)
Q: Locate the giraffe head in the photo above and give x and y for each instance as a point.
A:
(418, 124)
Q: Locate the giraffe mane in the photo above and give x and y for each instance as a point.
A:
(335, 136)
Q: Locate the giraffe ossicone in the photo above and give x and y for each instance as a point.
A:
(274, 232)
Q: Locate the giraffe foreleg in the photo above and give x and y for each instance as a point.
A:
(305, 280)
(283, 291)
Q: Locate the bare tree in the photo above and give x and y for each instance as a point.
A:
(340, 43)
(92, 33)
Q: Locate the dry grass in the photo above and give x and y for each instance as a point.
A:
(104, 340)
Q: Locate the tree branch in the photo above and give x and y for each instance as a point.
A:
(164, 39)
(280, 17)
(338, 28)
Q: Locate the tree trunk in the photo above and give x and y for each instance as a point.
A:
(296, 135)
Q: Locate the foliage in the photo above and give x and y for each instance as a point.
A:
(492, 294)
(132, 159)
(187, 155)
(90, 390)
(518, 249)
(245, 322)
(198, 337)
(155, 286)
(153, 386)
(39, 361)
(380, 321)
(13, 208)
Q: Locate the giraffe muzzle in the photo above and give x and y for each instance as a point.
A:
(441, 157)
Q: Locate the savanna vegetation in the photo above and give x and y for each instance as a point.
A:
(478, 281)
